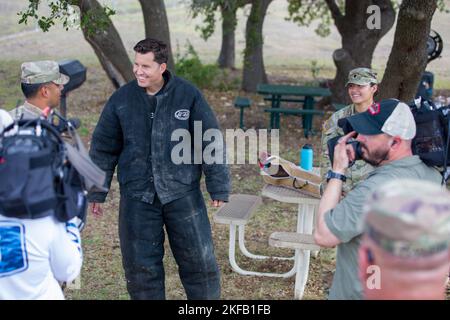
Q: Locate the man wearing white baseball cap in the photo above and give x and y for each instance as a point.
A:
(41, 84)
(385, 132)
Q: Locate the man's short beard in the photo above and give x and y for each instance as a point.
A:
(375, 157)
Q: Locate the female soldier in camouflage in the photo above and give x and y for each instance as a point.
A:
(361, 86)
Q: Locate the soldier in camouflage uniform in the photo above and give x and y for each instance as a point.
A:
(361, 86)
(41, 83)
(407, 236)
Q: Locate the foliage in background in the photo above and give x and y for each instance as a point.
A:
(304, 12)
(442, 7)
(315, 69)
(208, 9)
(66, 11)
(189, 66)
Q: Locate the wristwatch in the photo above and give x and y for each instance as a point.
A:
(334, 175)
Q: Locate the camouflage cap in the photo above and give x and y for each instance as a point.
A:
(35, 72)
(409, 218)
(362, 76)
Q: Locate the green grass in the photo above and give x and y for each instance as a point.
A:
(442, 83)
(10, 91)
(102, 275)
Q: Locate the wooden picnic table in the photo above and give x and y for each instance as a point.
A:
(284, 93)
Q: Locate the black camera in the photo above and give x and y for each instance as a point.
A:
(354, 143)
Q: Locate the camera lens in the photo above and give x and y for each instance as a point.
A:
(357, 148)
(356, 145)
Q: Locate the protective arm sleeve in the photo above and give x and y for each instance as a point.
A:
(66, 256)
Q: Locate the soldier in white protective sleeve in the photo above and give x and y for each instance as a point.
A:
(5, 120)
(36, 254)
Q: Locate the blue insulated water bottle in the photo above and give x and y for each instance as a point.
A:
(306, 157)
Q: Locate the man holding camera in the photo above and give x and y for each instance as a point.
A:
(385, 132)
(42, 84)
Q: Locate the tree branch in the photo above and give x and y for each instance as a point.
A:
(408, 57)
(343, 60)
(335, 11)
(388, 14)
(336, 14)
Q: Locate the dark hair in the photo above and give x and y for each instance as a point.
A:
(158, 48)
(30, 90)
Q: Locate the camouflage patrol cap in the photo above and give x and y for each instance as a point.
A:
(409, 218)
(35, 72)
(362, 76)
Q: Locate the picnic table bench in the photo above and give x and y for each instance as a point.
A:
(288, 93)
(302, 240)
(237, 212)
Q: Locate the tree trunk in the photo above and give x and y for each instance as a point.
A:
(108, 47)
(254, 71)
(227, 51)
(408, 57)
(358, 41)
(157, 25)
